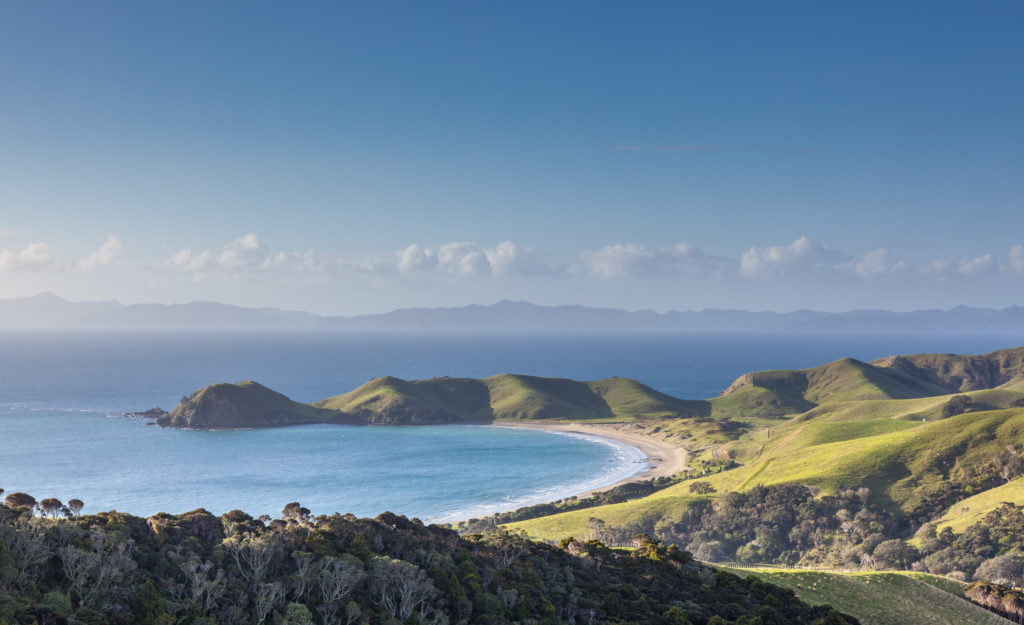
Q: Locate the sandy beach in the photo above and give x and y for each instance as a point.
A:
(663, 459)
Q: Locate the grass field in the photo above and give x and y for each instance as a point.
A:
(861, 425)
(845, 424)
(980, 505)
(899, 460)
(881, 598)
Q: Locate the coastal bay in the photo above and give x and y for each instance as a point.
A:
(60, 387)
(664, 459)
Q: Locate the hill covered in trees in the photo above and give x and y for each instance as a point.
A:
(196, 568)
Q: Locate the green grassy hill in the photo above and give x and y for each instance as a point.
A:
(783, 392)
(901, 449)
(977, 506)
(900, 459)
(529, 397)
(751, 399)
(767, 394)
(389, 400)
(394, 401)
(510, 397)
(243, 405)
(628, 398)
(881, 598)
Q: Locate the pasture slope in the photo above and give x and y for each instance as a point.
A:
(880, 598)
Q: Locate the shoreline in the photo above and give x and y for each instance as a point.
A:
(663, 458)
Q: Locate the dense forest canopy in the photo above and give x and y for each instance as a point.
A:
(196, 568)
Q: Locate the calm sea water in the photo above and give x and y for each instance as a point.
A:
(61, 392)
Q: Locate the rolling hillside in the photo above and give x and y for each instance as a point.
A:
(973, 509)
(751, 399)
(795, 391)
(507, 396)
(904, 461)
(886, 426)
(392, 401)
(881, 598)
(866, 427)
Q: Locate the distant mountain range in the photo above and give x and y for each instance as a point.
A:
(50, 311)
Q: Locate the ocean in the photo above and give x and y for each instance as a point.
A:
(62, 394)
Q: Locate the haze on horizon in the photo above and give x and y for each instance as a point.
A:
(357, 158)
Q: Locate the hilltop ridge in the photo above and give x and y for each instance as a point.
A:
(393, 401)
(921, 453)
(761, 394)
(957, 373)
(792, 391)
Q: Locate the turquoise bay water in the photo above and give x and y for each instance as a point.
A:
(61, 394)
(434, 472)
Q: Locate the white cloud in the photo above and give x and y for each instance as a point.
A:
(1017, 258)
(979, 265)
(103, 256)
(878, 262)
(468, 267)
(799, 257)
(463, 258)
(245, 254)
(507, 258)
(459, 258)
(629, 260)
(414, 259)
(969, 267)
(35, 257)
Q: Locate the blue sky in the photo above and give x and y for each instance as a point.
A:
(357, 157)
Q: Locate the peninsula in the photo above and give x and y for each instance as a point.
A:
(391, 401)
(525, 398)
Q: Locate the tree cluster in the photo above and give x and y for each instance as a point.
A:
(1004, 601)
(197, 568)
(957, 405)
(787, 525)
